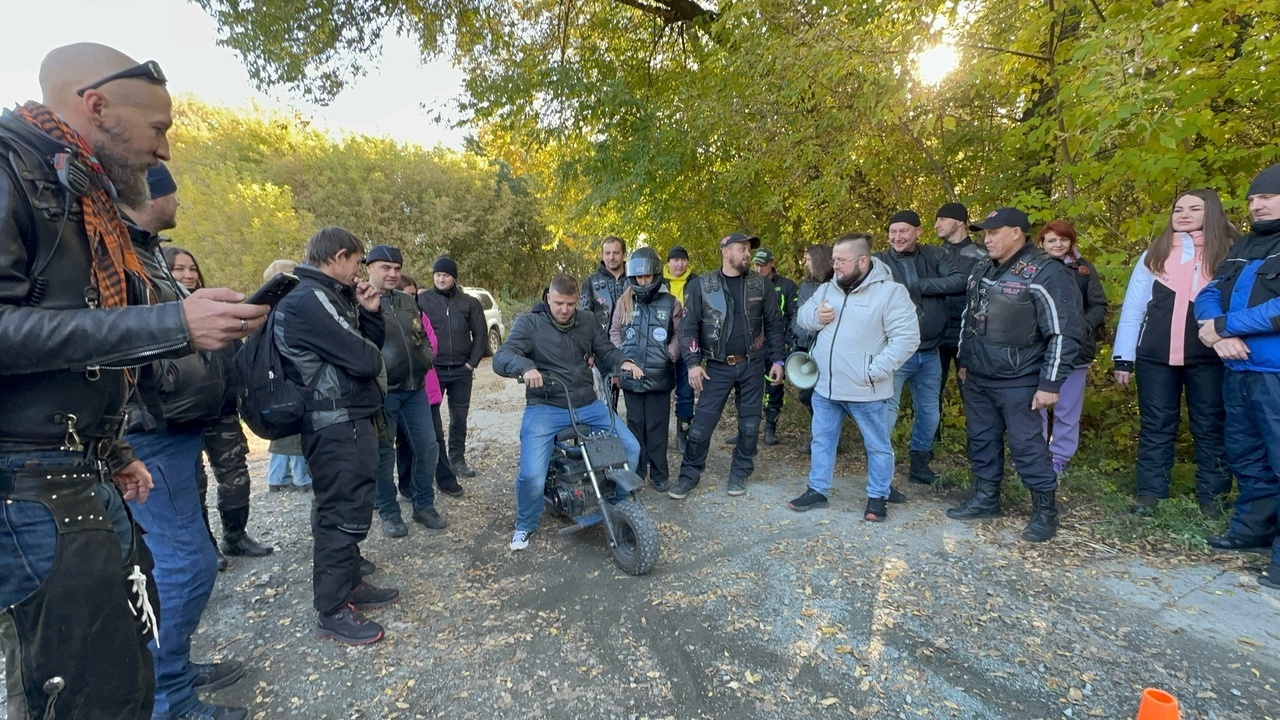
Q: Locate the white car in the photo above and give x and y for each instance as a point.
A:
(492, 317)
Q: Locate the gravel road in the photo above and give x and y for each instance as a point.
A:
(753, 612)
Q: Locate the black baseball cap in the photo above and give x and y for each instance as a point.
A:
(384, 253)
(763, 256)
(1004, 217)
(732, 238)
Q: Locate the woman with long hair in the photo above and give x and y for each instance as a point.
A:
(224, 441)
(644, 324)
(1157, 340)
(1062, 426)
(818, 269)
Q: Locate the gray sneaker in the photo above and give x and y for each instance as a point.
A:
(737, 486)
(394, 527)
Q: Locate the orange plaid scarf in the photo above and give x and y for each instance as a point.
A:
(111, 249)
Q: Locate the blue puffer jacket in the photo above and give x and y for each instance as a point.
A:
(1244, 299)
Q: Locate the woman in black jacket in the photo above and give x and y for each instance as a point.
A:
(224, 442)
(1062, 427)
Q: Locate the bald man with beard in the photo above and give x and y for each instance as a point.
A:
(76, 312)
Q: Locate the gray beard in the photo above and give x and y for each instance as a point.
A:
(129, 179)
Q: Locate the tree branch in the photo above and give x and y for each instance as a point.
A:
(988, 48)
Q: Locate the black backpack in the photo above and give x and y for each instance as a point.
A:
(270, 404)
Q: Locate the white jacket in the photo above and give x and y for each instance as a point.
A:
(874, 333)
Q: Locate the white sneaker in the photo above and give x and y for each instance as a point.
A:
(520, 540)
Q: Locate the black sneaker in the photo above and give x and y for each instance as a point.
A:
(461, 470)
(368, 597)
(277, 488)
(349, 626)
(214, 712)
(681, 490)
(810, 500)
(1270, 577)
(211, 677)
(430, 518)
(1144, 506)
(394, 527)
(877, 510)
(452, 489)
(662, 485)
(896, 496)
(737, 486)
(367, 568)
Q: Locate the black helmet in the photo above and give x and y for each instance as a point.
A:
(643, 261)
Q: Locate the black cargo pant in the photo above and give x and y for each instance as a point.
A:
(1160, 391)
(991, 413)
(228, 451)
(722, 379)
(455, 383)
(774, 395)
(344, 469)
(648, 416)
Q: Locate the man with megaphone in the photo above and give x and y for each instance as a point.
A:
(866, 329)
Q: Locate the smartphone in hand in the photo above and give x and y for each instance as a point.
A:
(274, 290)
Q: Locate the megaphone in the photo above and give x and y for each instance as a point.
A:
(801, 370)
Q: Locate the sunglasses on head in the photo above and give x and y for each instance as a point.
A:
(149, 71)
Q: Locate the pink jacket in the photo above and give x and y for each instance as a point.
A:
(434, 396)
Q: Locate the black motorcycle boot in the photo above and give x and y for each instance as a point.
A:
(985, 503)
(920, 471)
(222, 559)
(1044, 517)
(682, 433)
(235, 540)
(771, 426)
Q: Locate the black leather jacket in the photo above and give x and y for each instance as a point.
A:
(702, 333)
(62, 359)
(560, 352)
(1023, 322)
(964, 255)
(458, 319)
(406, 350)
(932, 280)
(189, 391)
(600, 292)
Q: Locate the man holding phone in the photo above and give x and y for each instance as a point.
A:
(329, 332)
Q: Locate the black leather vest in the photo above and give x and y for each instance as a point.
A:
(1002, 307)
(717, 307)
(645, 339)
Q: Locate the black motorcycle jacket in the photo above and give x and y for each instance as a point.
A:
(331, 347)
(932, 280)
(703, 333)
(964, 256)
(405, 351)
(559, 352)
(788, 302)
(189, 391)
(646, 336)
(600, 292)
(458, 319)
(1023, 322)
(62, 358)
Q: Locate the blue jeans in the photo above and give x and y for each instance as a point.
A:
(923, 372)
(1253, 454)
(684, 391)
(872, 418)
(411, 410)
(283, 468)
(186, 565)
(538, 432)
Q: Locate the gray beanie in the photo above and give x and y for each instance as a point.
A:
(1266, 183)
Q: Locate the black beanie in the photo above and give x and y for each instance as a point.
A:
(160, 181)
(446, 265)
(955, 211)
(910, 217)
(1266, 183)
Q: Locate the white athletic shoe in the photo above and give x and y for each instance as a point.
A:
(520, 540)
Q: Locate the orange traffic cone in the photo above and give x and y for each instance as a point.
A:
(1158, 705)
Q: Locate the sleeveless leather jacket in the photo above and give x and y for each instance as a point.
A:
(62, 358)
(600, 292)
(405, 350)
(703, 333)
(1023, 320)
(646, 339)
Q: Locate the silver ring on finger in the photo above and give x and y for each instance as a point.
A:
(244, 324)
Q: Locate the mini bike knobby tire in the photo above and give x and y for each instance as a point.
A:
(637, 535)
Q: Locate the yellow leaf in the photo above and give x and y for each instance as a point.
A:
(752, 677)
